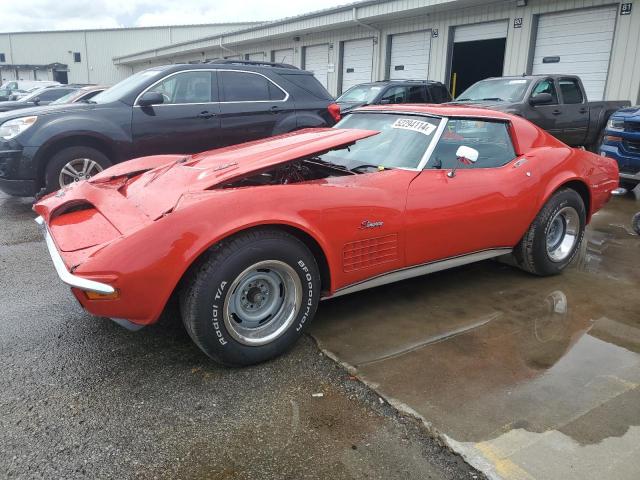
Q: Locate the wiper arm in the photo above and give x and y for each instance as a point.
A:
(369, 165)
(497, 99)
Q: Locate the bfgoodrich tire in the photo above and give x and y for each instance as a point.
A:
(554, 237)
(73, 164)
(251, 298)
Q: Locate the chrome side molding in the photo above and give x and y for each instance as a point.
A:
(419, 270)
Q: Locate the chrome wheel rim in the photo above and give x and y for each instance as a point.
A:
(562, 234)
(263, 302)
(77, 170)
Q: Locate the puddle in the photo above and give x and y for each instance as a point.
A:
(491, 357)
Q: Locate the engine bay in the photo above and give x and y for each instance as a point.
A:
(293, 172)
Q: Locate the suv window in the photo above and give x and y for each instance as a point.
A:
(546, 86)
(54, 94)
(439, 93)
(570, 89)
(244, 87)
(310, 84)
(404, 94)
(186, 87)
(490, 138)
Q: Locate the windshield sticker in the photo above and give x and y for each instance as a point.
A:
(415, 125)
(514, 82)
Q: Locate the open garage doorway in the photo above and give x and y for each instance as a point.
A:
(477, 53)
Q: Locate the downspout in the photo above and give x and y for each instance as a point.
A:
(362, 24)
(225, 48)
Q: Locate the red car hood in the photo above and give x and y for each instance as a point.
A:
(125, 197)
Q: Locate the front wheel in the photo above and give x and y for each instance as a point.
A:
(73, 164)
(251, 298)
(554, 237)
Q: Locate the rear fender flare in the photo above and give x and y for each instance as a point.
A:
(570, 180)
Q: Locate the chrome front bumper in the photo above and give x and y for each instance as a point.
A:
(61, 268)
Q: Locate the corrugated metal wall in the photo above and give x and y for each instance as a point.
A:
(390, 17)
(624, 72)
(97, 48)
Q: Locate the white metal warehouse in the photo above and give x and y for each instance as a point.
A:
(454, 41)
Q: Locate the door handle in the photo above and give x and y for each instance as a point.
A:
(274, 109)
(583, 110)
(556, 112)
(206, 115)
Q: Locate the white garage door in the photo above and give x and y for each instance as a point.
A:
(577, 42)
(357, 62)
(481, 31)
(410, 53)
(283, 56)
(316, 60)
(256, 57)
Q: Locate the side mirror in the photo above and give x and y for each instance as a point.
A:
(541, 99)
(466, 155)
(36, 101)
(150, 98)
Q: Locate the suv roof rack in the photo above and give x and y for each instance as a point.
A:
(255, 63)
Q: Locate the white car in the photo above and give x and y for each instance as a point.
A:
(20, 88)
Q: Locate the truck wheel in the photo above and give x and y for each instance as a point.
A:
(73, 164)
(636, 223)
(554, 237)
(251, 298)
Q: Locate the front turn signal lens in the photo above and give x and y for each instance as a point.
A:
(102, 296)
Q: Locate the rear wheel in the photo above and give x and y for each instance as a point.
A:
(251, 298)
(73, 164)
(554, 237)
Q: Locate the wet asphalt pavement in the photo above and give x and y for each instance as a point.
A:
(82, 398)
(527, 377)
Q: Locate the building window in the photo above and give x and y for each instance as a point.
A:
(3, 59)
(76, 57)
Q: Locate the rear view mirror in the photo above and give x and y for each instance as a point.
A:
(541, 99)
(150, 98)
(466, 155)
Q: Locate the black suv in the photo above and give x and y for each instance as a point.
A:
(162, 110)
(393, 91)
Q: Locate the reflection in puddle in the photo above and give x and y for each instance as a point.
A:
(487, 354)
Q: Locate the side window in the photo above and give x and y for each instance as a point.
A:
(247, 87)
(546, 86)
(417, 94)
(570, 89)
(186, 87)
(439, 93)
(53, 94)
(490, 138)
(394, 95)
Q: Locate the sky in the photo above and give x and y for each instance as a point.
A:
(28, 15)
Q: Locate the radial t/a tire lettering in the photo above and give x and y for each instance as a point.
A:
(251, 297)
(554, 237)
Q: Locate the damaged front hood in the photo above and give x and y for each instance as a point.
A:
(150, 187)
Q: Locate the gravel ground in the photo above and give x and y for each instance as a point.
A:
(82, 398)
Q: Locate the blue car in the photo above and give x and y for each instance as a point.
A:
(622, 142)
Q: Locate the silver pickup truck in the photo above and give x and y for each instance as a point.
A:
(556, 103)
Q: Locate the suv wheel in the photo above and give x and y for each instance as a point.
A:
(73, 164)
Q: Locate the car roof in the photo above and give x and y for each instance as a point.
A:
(438, 110)
(260, 67)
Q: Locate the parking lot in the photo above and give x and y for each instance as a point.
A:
(80, 397)
(526, 377)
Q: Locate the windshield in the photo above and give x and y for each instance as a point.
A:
(499, 89)
(401, 143)
(125, 86)
(360, 94)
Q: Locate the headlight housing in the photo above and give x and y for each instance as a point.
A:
(615, 124)
(12, 128)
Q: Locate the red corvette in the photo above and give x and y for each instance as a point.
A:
(251, 237)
